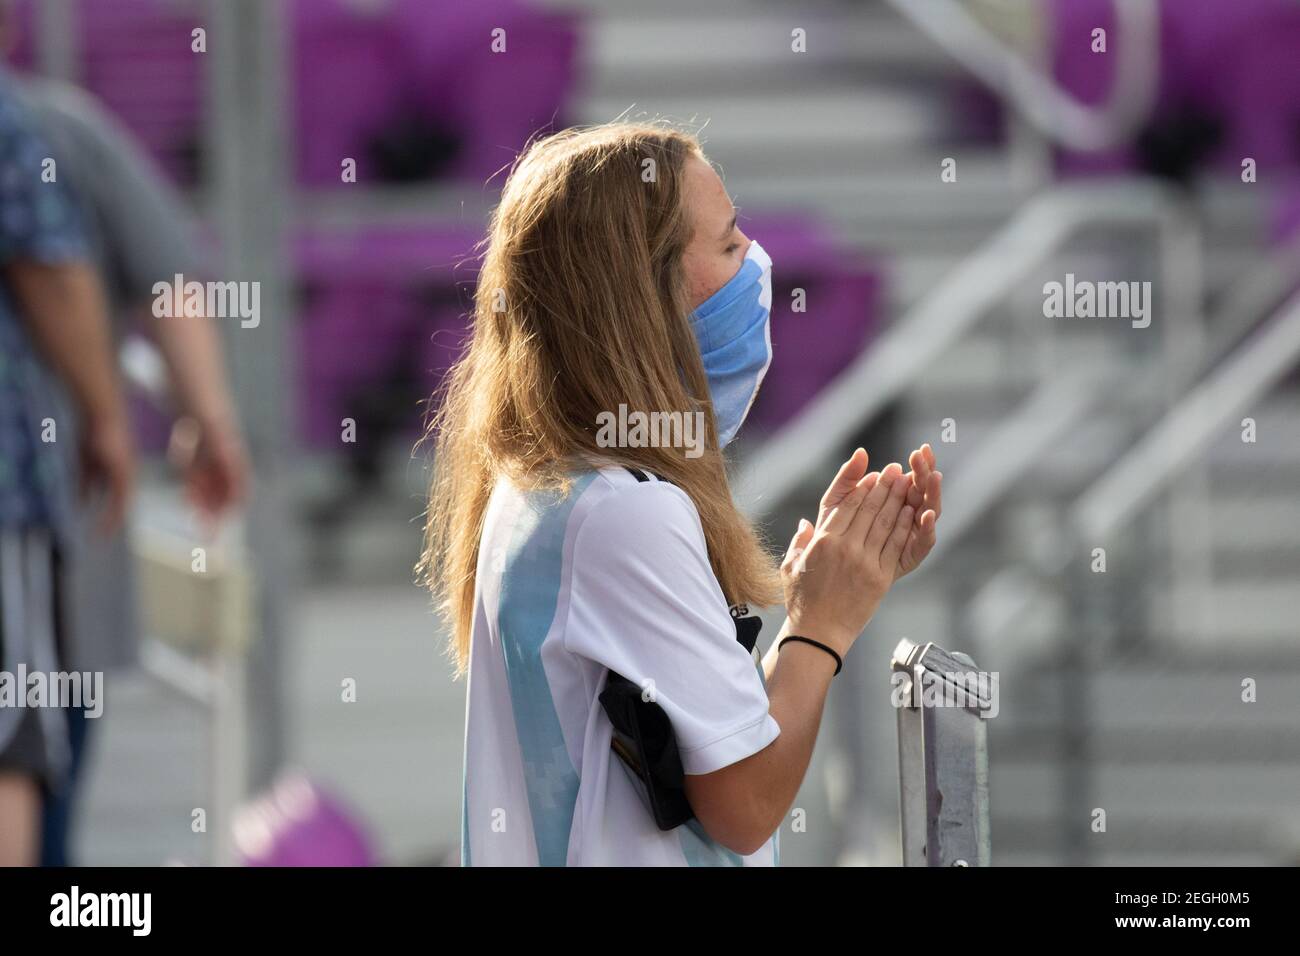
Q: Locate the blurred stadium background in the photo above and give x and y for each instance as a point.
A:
(924, 322)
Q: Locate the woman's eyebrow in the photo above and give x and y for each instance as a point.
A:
(730, 226)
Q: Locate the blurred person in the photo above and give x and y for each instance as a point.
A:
(139, 235)
(52, 308)
(563, 556)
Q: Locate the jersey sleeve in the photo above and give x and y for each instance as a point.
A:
(645, 604)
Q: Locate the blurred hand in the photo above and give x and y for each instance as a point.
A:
(107, 466)
(211, 460)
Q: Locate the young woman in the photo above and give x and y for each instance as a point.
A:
(615, 275)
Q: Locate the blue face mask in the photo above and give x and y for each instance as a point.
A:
(733, 329)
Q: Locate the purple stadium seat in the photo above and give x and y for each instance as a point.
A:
(1088, 76)
(135, 56)
(409, 89)
(844, 295)
(379, 309)
(1286, 215)
(1258, 89)
(300, 824)
(1228, 84)
(418, 92)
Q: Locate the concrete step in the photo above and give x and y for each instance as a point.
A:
(1135, 795)
(682, 35)
(1180, 840)
(1262, 613)
(1268, 467)
(1141, 745)
(1120, 857)
(847, 119)
(652, 48)
(1185, 691)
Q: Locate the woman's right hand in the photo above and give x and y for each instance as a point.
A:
(836, 572)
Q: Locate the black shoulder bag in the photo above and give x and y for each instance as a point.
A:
(645, 742)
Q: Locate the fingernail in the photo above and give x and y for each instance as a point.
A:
(803, 525)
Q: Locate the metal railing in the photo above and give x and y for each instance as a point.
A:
(1049, 414)
(943, 768)
(905, 351)
(1250, 372)
(1029, 241)
(1035, 95)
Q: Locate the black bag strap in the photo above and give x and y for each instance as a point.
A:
(747, 626)
(640, 475)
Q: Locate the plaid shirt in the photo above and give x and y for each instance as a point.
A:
(38, 223)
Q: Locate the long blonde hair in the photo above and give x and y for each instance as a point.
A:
(581, 306)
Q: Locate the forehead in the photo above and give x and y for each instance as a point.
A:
(706, 198)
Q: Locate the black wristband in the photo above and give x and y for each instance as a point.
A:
(839, 661)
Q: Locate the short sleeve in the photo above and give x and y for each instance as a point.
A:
(645, 604)
(38, 217)
(148, 233)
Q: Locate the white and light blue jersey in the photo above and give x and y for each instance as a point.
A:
(615, 576)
